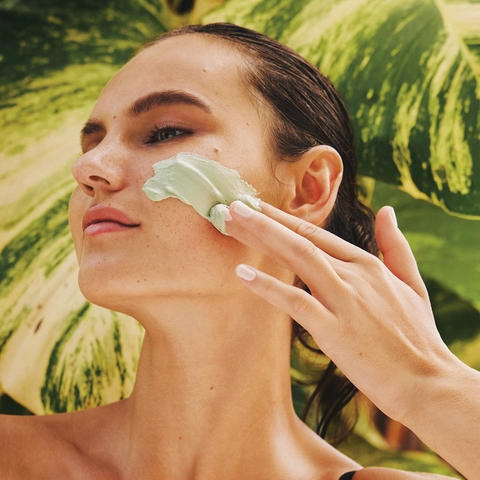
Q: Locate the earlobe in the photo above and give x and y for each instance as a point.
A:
(318, 175)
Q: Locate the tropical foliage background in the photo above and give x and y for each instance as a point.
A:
(408, 71)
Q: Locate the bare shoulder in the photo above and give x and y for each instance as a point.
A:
(380, 473)
(26, 450)
(22, 440)
(35, 447)
(15, 433)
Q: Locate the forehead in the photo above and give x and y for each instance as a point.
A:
(194, 63)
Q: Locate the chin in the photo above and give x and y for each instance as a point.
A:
(96, 294)
(102, 289)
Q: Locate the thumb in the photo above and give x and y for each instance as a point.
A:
(397, 254)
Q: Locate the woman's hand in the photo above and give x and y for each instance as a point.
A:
(373, 319)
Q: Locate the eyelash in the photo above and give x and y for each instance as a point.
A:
(156, 131)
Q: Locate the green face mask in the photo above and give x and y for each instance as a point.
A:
(207, 186)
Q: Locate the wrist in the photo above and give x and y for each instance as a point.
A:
(437, 388)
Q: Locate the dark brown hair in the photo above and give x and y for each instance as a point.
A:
(307, 111)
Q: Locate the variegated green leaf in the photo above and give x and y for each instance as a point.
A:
(57, 351)
(72, 354)
(409, 75)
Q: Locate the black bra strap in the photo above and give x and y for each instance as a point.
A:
(348, 475)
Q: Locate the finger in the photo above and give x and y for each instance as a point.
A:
(289, 249)
(330, 243)
(397, 254)
(240, 233)
(302, 307)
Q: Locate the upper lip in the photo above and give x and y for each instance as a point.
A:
(104, 213)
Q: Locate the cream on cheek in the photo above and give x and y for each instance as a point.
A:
(206, 185)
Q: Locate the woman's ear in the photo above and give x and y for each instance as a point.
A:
(313, 184)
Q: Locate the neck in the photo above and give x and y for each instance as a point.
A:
(212, 397)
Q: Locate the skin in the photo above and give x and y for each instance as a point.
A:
(388, 346)
(212, 398)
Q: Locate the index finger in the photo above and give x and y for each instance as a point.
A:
(321, 238)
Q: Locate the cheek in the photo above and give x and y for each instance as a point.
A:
(175, 252)
(179, 251)
(180, 236)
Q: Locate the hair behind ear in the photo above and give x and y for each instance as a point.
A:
(333, 391)
(360, 228)
(363, 228)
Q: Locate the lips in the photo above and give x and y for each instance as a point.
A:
(104, 213)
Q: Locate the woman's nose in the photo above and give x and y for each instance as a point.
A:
(100, 169)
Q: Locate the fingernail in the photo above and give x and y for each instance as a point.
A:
(394, 217)
(242, 209)
(245, 272)
(226, 212)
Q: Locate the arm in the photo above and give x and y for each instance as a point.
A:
(374, 320)
(445, 415)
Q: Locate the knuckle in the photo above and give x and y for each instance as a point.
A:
(306, 229)
(373, 263)
(357, 293)
(404, 243)
(365, 259)
(307, 249)
(269, 287)
(302, 303)
(355, 258)
(361, 256)
(263, 222)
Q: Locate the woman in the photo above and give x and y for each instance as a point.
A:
(212, 397)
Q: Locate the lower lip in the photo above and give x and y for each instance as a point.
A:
(104, 227)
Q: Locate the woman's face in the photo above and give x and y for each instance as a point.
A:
(183, 94)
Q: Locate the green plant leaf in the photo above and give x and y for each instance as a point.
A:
(407, 76)
(74, 354)
(57, 351)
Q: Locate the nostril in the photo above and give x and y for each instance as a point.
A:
(96, 177)
(86, 188)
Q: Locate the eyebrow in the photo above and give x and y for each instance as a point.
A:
(145, 104)
(168, 97)
(90, 128)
